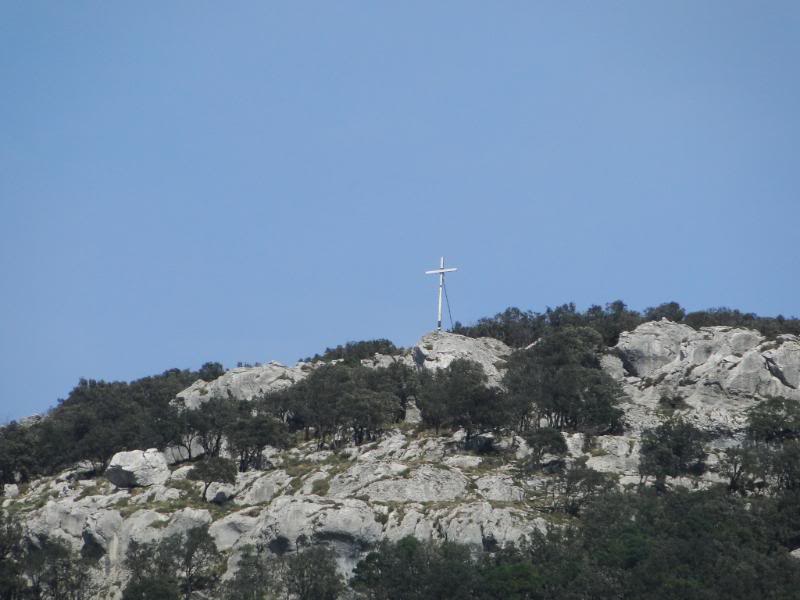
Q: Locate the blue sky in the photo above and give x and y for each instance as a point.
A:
(191, 181)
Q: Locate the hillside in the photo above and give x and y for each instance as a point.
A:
(475, 480)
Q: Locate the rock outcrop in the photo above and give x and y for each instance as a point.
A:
(409, 482)
(245, 383)
(438, 349)
(138, 468)
(713, 375)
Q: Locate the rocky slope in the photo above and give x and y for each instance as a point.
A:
(410, 482)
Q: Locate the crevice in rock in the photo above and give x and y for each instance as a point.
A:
(776, 372)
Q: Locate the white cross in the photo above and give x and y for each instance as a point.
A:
(440, 271)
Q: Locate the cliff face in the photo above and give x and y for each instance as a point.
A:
(411, 482)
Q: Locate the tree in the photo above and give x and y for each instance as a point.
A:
(199, 563)
(336, 401)
(541, 441)
(743, 466)
(311, 575)
(457, 396)
(352, 353)
(54, 572)
(152, 589)
(672, 311)
(774, 421)
(250, 432)
(410, 569)
(211, 371)
(579, 485)
(561, 380)
(317, 399)
(673, 448)
(16, 462)
(188, 563)
(12, 583)
(213, 469)
(257, 577)
(210, 422)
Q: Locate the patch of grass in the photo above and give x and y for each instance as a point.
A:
(159, 524)
(320, 487)
(297, 468)
(90, 490)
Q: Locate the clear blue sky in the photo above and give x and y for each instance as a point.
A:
(193, 181)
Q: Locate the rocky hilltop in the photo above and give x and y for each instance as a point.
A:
(411, 481)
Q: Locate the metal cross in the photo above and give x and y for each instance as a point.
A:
(440, 271)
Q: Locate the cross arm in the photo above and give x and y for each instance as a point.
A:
(437, 271)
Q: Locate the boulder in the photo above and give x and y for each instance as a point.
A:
(220, 493)
(10, 490)
(138, 468)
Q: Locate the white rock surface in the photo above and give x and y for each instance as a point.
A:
(137, 468)
(425, 484)
(712, 375)
(245, 383)
(438, 349)
(264, 488)
(500, 487)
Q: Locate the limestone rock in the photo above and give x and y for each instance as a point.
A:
(220, 493)
(185, 519)
(386, 360)
(157, 493)
(181, 473)
(10, 490)
(289, 522)
(244, 383)
(463, 461)
(712, 376)
(499, 487)
(362, 474)
(264, 488)
(137, 468)
(101, 529)
(425, 484)
(653, 345)
(412, 483)
(413, 414)
(615, 454)
(437, 350)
